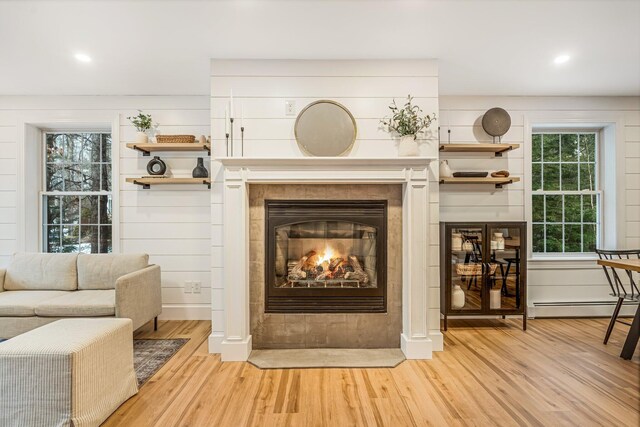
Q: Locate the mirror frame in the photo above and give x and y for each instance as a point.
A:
(326, 101)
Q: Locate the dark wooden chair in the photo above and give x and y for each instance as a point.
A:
(623, 292)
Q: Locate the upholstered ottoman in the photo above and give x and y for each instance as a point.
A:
(72, 372)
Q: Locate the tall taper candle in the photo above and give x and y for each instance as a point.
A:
(242, 114)
(231, 104)
(226, 120)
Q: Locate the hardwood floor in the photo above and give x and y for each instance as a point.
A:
(558, 372)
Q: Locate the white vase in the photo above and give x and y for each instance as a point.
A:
(456, 241)
(408, 146)
(457, 297)
(142, 138)
(494, 299)
(499, 239)
(445, 170)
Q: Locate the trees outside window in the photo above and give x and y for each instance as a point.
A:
(77, 192)
(565, 192)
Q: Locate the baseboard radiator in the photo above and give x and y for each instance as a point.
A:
(578, 309)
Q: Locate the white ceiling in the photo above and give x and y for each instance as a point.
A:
(163, 47)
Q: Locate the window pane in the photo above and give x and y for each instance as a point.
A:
(105, 210)
(106, 177)
(83, 148)
(554, 209)
(554, 238)
(589, 237)
(55, 147)
(536, 147)
(53, 210)
(106, 147)
(70, 209)
(89, 239)
(72, 178)
(90, 178)
(589, 208)
(587, 176)
(536, 179)
(538, 238)
(70, 238)
(572, 206)
(569, 146)
(551, 176)
(588, 147)
(551, 146)
(53, 243)
(538, 208)
(569, 176)
(105, 239)
(89, 209)
(55, 178)
(572, 238)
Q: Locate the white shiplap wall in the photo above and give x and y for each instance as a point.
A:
(170, 223)
(364, 87)
(549, 281)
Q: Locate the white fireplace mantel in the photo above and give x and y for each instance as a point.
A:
(417, 342)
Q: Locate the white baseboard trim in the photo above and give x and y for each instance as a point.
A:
(215, 342)
(437, 340)
(185, 312)
(235, 350)
(578, 309)
(416, 348)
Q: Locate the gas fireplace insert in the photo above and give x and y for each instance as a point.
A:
(325, 256)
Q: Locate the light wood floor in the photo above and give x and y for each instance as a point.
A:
(558, 372)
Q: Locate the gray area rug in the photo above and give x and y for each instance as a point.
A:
(327, 358)
(151, 355)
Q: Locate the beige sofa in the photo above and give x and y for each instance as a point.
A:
(36, 289)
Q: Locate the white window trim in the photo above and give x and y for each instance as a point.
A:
(612, 182)
(30, 133)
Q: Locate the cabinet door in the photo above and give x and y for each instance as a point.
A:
(505, 280)
(466, 260)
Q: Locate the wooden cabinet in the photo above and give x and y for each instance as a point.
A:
(483, 269)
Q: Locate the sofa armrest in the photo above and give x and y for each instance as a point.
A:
(138, 295)
(3, 272)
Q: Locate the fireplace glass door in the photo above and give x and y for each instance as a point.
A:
(325, 256)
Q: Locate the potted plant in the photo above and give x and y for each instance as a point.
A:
(407, 122)
(143, 123)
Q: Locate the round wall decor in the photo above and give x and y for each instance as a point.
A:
(496, 122)
(156, 166)
(325, 128)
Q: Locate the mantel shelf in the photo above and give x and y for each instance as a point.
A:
(147, 148)
(146, 183)
(498, 182)
(326, 161)
(497, 149)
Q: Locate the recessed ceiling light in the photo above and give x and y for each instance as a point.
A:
(561, 59)
(81, 57)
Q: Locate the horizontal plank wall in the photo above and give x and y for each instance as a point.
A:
(552, 281)
(170, 223)
(366, 88)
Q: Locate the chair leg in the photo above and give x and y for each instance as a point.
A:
(155, 323)
(614, 316)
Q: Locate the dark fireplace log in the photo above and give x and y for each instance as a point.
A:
(357, 273)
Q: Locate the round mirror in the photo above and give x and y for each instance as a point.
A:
(325, 128)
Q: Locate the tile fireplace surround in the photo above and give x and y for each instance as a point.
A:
(415, 317)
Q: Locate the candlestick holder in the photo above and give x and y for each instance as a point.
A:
(227, 144)
(242, 141)
(231, 120)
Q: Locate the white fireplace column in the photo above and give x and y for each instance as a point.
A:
(417, 342)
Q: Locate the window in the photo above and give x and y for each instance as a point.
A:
(76, 201)
(565, 192)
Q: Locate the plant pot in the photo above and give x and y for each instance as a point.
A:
(408, 146)
(200, 171)
(457, 297)
(142, 138)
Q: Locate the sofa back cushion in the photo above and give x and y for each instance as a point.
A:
(100, 271)
(45, 272)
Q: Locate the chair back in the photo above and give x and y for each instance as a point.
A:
(618, 288)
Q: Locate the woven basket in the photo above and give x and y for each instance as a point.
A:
(474, 269)
(175, 139)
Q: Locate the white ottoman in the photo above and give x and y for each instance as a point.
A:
(70, 372)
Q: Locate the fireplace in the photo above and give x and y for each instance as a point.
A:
(325, 256)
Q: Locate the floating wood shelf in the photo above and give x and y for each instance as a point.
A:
(148, 182)
(497, 149)
(498, 182)
(146, 149)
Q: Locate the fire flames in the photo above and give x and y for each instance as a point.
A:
(327, 266)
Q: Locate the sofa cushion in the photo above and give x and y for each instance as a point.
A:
(100, 271)
(80, 304)
(23, 303)
(44, 272)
